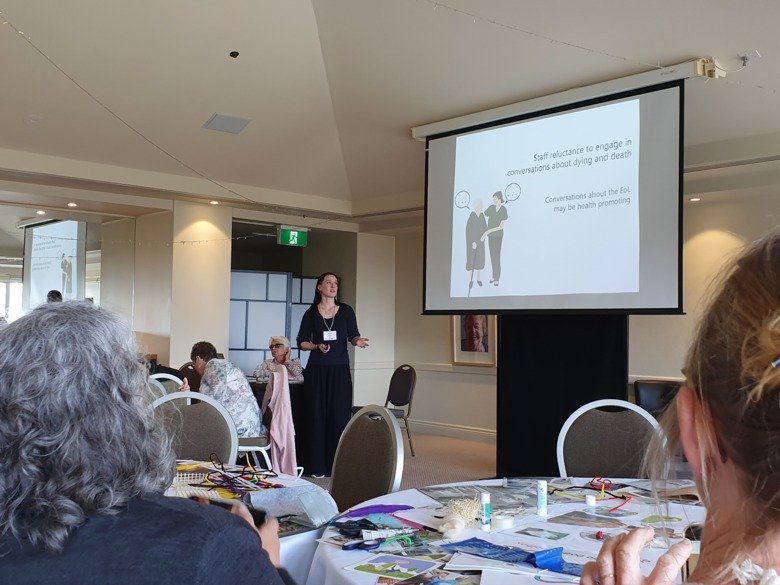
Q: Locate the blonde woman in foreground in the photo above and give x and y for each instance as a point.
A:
(727, 419)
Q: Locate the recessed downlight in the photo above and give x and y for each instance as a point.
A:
(41, 212)
(694, 199)
(214, 202)
(71, 204)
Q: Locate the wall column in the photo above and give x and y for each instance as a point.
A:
(200, 288)
(375, 310)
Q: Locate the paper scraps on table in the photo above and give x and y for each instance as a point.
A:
(385, 565)
(587, 520)
(440, 576)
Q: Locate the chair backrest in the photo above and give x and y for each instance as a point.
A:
(168, 381)
(608, 443)
(200, 429)
(369, 458)
(654, 395)
(402, 386)
(193, 377)
(157, 388)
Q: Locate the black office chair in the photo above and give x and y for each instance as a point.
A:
(399, 397)
(655, 395)
(193, 377)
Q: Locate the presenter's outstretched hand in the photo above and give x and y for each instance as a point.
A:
(324, 347)
(361, 342)
(618, 561)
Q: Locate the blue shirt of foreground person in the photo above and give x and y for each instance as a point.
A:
(84, 463)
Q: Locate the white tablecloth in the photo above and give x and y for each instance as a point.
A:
(329, 561)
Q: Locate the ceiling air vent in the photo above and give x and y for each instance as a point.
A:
(225, 123)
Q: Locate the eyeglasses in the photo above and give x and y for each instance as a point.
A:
(276, 346)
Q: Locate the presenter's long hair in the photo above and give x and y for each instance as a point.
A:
(317, 295)
(77, 431)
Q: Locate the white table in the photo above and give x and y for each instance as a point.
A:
(329, 561)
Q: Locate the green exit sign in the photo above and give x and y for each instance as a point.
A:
(287, 235)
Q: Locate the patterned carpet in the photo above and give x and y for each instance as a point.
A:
(441, 460)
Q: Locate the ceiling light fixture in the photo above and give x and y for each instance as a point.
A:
(71, 204)
(214, 202)
(41, 212)
(694, 199)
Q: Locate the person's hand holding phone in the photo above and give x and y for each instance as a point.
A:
(268, 531)
(266, 526)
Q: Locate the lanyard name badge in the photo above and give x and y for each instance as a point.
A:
(329, 334)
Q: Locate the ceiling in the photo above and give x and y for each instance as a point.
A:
(105, 100)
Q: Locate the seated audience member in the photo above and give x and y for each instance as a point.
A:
(727, 420)
(83, 467)
(280, 357)
(227, 385)
(276, 399)
(54, 296)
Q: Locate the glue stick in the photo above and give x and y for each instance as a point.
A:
(541, 497)
(484, 500)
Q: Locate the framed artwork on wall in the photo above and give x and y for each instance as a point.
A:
(474, 340)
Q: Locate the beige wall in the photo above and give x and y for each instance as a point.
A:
(200, 288)
(713, 233)
(153, 264)
(116, 267)
(449, 400)
(374, 306)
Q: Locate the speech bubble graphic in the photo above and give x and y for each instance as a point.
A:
(512, 192)
(462, 199)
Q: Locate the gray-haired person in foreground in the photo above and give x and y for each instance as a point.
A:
(83, 466)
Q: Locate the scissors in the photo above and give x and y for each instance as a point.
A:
(354, 528)
(363, 544)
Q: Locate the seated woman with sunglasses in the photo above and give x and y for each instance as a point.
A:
(727, 420)
(276, 408)
(84, 463)
(280, 357)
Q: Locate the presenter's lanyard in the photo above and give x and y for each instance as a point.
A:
(329, 335)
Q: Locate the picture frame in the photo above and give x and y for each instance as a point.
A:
(474, 340)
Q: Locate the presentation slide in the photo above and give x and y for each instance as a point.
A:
(575, 208)
(54, 260)
(566, 185)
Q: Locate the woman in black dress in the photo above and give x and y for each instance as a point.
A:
(326, 328)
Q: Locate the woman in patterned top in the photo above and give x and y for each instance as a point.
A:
(227, 385)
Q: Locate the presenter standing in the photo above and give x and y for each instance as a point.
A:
(326, 327)
(497, 216)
